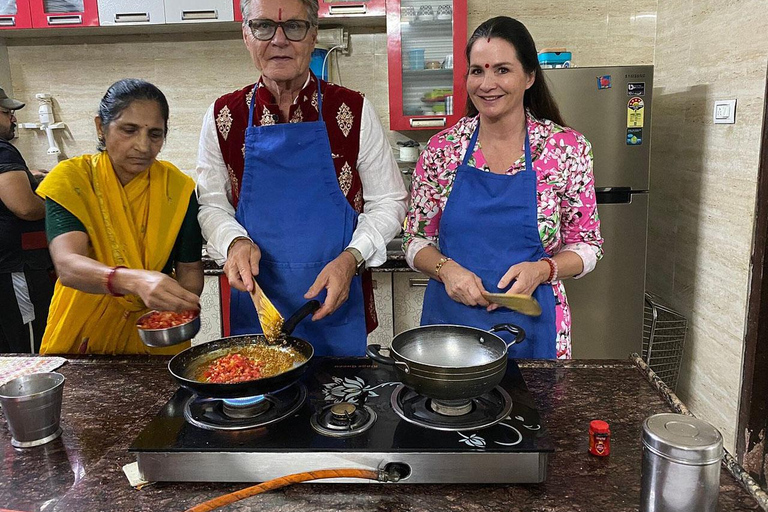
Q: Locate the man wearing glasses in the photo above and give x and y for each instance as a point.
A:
(297, 185)
(25, 292)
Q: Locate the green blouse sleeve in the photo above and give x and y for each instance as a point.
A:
(59, 220)
(189, 242)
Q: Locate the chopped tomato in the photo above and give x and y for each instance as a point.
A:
(166, 319)
(233, 368)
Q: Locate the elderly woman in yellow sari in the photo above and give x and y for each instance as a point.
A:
(122, 229)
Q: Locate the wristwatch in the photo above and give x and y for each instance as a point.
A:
(359, 260)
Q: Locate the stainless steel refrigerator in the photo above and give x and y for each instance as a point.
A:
(611, 106)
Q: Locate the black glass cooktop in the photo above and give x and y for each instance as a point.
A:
(330, 381)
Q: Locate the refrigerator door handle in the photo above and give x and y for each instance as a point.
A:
(614, 195)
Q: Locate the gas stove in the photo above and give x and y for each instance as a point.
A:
(348, 413)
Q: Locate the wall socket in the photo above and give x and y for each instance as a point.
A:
(330, 37)
(724, 112)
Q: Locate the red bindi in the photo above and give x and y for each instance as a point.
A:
(487, 66)
(280, 14)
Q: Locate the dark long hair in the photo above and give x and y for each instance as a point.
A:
(124, 92)
(537, 98)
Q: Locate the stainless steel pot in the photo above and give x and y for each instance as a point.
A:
(449, 362)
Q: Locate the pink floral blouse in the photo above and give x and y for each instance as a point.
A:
(567, 207)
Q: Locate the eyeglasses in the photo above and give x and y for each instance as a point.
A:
(294, 30)
(11, 113)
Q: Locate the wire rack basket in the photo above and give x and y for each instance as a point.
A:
(663, 339)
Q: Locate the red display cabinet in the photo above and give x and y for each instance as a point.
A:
(330, 9)
(238, 12)
(69, 13)
(15, 14)
(427, 68)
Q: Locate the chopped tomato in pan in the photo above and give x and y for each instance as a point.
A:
(233, 368)
(166, 319)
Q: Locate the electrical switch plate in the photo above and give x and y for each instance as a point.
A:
(725, 112)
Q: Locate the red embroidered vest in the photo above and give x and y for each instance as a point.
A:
(342, 112)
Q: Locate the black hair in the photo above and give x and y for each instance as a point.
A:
(124, 92)
(537, 98)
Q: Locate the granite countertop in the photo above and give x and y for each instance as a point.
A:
(108, 400)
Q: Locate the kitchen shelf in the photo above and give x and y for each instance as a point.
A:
(427, 74)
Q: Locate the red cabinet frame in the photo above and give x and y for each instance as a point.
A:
(89, 17)
(238, 12)
(22, 18)
(397, 118)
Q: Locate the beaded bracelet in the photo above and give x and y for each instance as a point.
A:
(111, 276)
(552, 269)
(440, 264)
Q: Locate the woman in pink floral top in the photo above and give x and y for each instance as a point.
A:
(509, 226)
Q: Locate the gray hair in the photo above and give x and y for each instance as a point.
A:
(311, 5)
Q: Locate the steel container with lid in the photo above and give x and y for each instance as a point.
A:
(681, 464)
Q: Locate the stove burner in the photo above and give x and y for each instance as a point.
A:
(244, 413)
(450, 407)
(344, 419)
(245, 407)
(481, 412)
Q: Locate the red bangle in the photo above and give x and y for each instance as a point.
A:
(110, 276)
(552, 269)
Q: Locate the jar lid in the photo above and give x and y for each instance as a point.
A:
(682, 439)
(599, 427)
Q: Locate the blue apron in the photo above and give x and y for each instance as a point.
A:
(490, 223)
(292, 207)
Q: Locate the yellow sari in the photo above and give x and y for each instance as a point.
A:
(135, 226)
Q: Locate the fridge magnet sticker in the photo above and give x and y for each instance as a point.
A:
(635, 112)
(636, 89)
(604, 82)
(634, 136)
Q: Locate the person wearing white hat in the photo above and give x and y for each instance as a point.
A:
(25, 290)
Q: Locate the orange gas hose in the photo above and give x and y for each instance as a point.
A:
(282, 482)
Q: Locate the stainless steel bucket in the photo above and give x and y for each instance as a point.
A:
(681, 464)
(32, 406)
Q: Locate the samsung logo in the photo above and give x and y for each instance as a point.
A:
(638, 75)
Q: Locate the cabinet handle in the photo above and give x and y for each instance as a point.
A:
(427, 122)
(9, 21)
(211, 14)
(418, 282)
(132, 17)
(341, 10)
(74, 19)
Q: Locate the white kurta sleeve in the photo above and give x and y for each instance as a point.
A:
(214, 193)
(384, 192)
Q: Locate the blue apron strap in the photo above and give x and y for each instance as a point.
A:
(253, 102)
(472, 142)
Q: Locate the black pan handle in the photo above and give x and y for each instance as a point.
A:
(514, 329)
(373, 351)
(307, 309)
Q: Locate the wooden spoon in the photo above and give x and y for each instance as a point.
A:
(269, 317)
(524, 304)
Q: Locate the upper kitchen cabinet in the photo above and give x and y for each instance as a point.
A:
(131, 12)
(15, 14)
(197, 11)
(335, 9)
(427, 69)
(64, 13)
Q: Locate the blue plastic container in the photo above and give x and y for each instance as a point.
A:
(555, 59)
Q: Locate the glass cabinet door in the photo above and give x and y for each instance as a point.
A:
(63, 6)
(427, 41)
(15, 14)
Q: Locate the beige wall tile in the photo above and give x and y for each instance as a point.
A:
(710, 172)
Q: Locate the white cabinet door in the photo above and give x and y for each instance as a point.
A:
(131, 12)
(382, 293)
(210, 314)
(198, 11)
(408, 296)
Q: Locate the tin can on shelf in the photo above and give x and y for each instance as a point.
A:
(681, 464)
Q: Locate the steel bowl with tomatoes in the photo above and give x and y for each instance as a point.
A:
(167, 328)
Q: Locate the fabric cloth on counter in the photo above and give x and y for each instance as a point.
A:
(366, 170)
(135, 226)
(13, 367)
(566, 203)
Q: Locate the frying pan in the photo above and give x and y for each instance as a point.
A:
(185, 365)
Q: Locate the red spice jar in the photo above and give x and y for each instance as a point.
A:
(599, 438)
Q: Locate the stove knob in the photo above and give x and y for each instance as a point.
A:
(343, 411)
